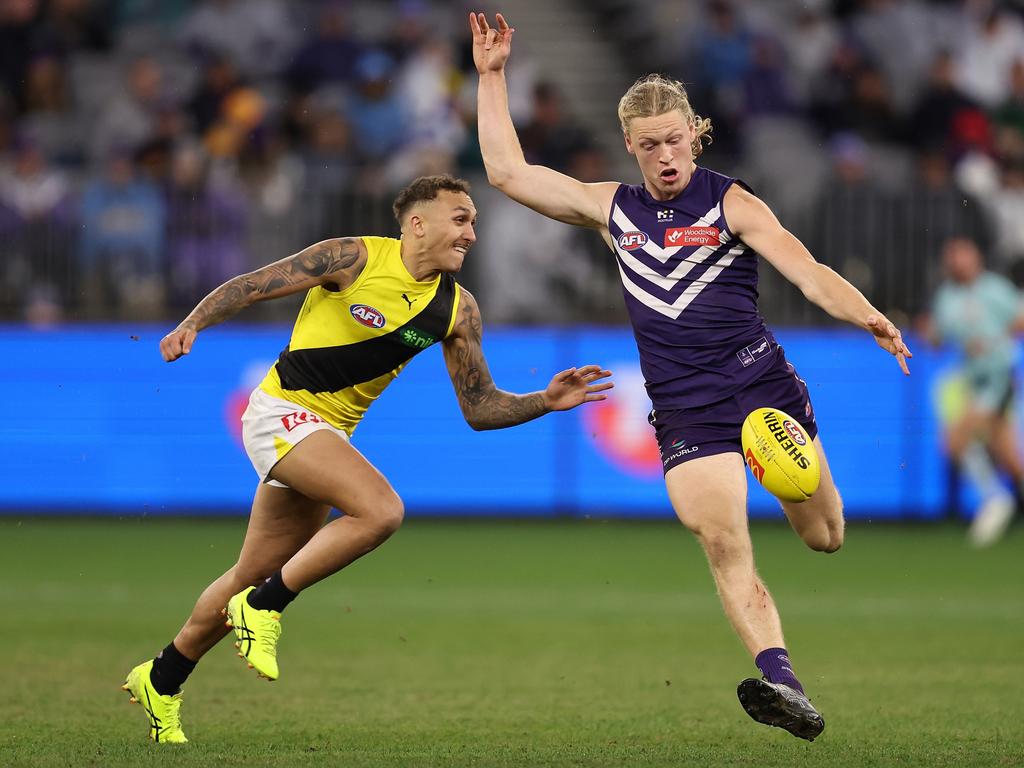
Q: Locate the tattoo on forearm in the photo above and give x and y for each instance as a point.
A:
(505, 409)
(237, 293)
(483, 404)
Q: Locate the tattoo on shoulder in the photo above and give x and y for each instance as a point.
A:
(470, 322)
(320, 259)
(328, 256)
(472, 381)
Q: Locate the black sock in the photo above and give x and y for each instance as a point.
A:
(271, 595)
(170, 670)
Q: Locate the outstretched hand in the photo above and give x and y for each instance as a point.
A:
(177, 343)
(575, 386)
(889, 338)
(491, 47)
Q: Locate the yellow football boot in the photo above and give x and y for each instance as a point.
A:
(163, 711)
(257, 632)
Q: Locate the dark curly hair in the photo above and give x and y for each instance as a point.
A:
(426, 188)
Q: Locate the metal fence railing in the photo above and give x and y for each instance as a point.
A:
(150, 261)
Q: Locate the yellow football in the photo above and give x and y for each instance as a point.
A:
(780, 454)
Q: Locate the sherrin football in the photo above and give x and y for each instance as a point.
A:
(780, 454)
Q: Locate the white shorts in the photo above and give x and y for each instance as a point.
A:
(271, 427)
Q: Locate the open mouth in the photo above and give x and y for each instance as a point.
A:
(669, 174)
(463, 249)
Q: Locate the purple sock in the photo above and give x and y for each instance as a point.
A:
(775, 666)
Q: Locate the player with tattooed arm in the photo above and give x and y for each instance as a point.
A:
(371, 304)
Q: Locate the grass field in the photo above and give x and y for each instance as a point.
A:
(518, 644)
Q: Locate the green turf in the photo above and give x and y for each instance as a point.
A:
(518, 644)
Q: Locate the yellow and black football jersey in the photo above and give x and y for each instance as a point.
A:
(347, 346)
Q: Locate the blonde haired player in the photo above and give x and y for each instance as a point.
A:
(372, 303)
(686, 242)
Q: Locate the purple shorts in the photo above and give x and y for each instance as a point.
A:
(690, 433)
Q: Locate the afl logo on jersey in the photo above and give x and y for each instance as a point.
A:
(366, 315)
(630, 241)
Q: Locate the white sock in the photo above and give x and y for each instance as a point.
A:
(977, 466)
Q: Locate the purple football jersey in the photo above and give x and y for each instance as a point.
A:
(691, 290)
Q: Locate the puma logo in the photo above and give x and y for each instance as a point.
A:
(409, 301)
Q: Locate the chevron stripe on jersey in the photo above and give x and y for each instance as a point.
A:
(669, 294)
(693, 306)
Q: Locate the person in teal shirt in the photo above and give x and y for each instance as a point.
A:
(980, 313)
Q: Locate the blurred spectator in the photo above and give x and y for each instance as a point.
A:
(869, 110)
(131, 16)
(121, 247)
(987, 52)
(132, 117)
(1009, 117)
(832, 92)
(274, 182)
(259, 36)
(854, 222)
(219, 80)
(534, 269)
(375, 110)
(898, 37)
(37, 205)
(330, 55)
(411, 30)
(205, 230)
(329, 154)
(241, 122)
(550, 138)
(79, 25)
(932, 212)
(1007, 207)
(938, 106)
(425, 85)
(766, 88)
(718, 61)
(51, 117)
(809, 44)
(19, 27)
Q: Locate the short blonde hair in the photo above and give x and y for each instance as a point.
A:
(654, 95)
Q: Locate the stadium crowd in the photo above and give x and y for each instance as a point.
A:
(150, 150)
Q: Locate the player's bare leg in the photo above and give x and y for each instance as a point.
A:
(972, 425)
(326, 467)
(281, 522)
(709, 496)
(996, 513)
(819, 520)
(1005, 448)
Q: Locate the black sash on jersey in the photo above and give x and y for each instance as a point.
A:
(330, 369)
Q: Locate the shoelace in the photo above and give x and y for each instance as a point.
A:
(174, 714)
(268, 639)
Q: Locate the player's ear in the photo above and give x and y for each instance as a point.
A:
(416, 224)
(629, 144)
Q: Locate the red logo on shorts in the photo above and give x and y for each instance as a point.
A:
(794, 432)
(755, 465)
(298, 418)
(686, 236)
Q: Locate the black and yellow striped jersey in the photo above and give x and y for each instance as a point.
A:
(347, 346)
